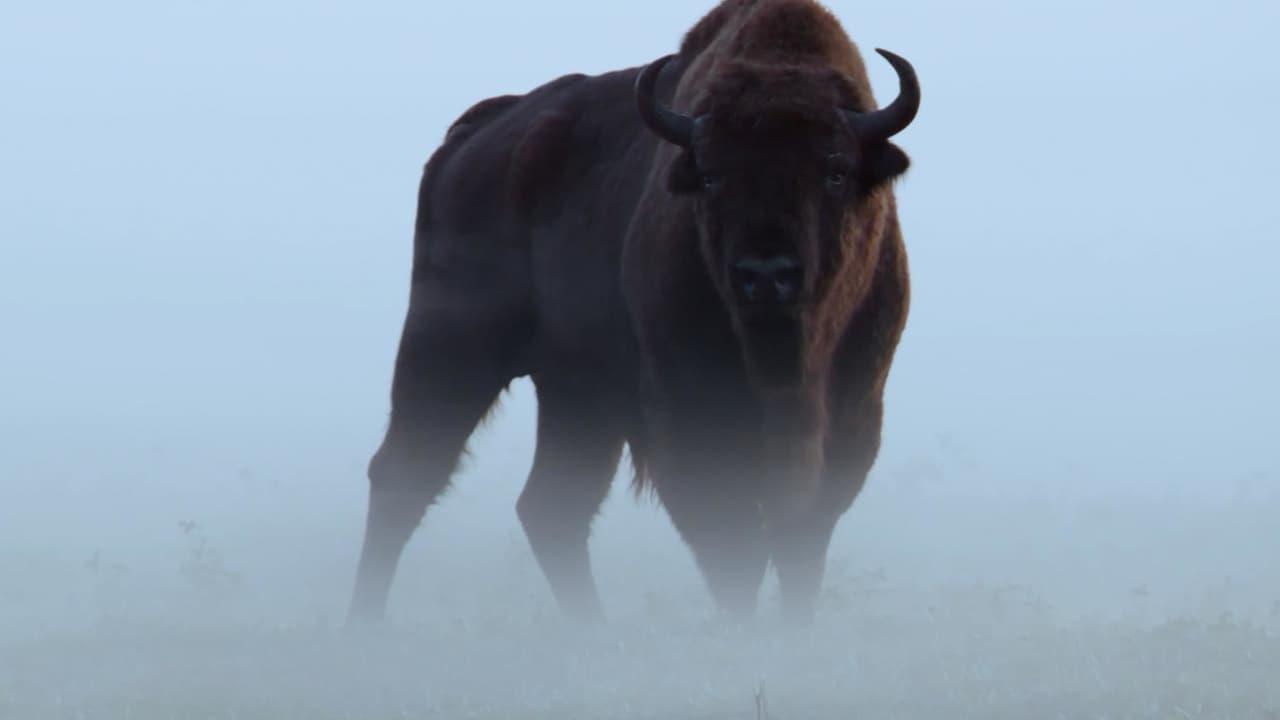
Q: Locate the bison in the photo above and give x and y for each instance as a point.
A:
(700, 260)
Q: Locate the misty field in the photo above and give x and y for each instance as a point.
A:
(182, 584)
(206, 214)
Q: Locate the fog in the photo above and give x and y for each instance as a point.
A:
(205, 233)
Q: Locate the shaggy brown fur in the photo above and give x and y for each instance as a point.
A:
(559, 238)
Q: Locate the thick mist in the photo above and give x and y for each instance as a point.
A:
(205, 231)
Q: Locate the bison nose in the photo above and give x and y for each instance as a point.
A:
(767, 280)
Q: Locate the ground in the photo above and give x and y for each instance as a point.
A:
(198, 584)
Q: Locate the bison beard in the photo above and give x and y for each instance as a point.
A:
(700, 259)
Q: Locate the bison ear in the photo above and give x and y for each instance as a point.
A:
(683, 176)
(885, 162)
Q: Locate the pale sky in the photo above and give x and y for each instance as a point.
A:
(206, 209)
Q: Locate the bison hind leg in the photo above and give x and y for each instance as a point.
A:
(454, 359)
(578, 448)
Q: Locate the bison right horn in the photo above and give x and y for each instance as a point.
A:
(880, 125)
(664, 122)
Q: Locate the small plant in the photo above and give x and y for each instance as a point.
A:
(203, 566)
(762, 703)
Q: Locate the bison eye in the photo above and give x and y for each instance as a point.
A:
(836, 179)
(711, 182)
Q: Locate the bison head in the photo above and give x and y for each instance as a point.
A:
(779, 165)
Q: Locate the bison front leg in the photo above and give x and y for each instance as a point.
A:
(733, 561)
(800, 558)
(801, 542)
(726, 533)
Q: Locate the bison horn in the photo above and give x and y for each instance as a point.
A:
(884, 124)
(666, 124)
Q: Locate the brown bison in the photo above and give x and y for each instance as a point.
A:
(700, 259)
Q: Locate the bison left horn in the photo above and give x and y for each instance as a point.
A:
(665, 123)
(883, 124)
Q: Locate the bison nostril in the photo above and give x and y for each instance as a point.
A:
(787, 283)
(785, 289)
(773, 279)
